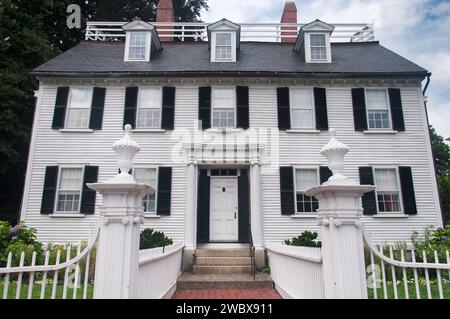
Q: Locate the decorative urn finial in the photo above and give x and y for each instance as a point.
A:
(335, 152)
(126, 148)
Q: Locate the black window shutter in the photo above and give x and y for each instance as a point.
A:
(204, 106)
(408, 195)
(164, 191)
(88, 195)
(59, 115)
(168, 108)
(369, 202)
(359, 109)
(395, 99)
(98, 104)
(131, 97)
(242, 107)
(284, 113)
(203, 206)
(320, 103)
(287, 190)
(325, 173)
(49, 192)
(244, 206)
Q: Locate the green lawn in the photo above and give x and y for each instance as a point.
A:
(411, 290)
(48, 291)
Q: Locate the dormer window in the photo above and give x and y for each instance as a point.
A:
(223, 46)
(139, 46)
(318, 47)
(141, 41)
(224, 38)
(314, 41)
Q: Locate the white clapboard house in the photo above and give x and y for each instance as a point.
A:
(231, 119)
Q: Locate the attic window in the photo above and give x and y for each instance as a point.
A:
(223, 46)
(318, 47)
(138, 45)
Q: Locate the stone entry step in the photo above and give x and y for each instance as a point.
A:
(227, 294)
(221, 269)
(223, 261)
(191, 281)
(217, 252)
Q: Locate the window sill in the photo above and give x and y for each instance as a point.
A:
(148, 130)
(224, 130)
(303, 131)
(374, 131)
(390, 215)
(152, 216)
(76, 130)
(62, 215)
(304, 216)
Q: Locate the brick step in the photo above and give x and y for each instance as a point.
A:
(221, 269)
(223, 261)
(190, 281)
(231, 252)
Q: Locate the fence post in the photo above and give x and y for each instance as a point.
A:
(121, 215)
(339, 218)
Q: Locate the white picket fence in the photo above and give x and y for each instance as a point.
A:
(159, 269)
(296, 271)
(401, 279)
(72, 278)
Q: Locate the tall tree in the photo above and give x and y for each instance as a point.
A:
(32, 32)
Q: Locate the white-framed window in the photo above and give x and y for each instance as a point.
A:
(138, 45)
(79, 107)
(223, 46)
(70, 183)
(223, 107)
(302, 108)
(387, 190)
(149, 107)
(305, 178)
(148, 176)
(318, 46)
(377, 105)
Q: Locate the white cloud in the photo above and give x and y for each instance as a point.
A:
(415, 29)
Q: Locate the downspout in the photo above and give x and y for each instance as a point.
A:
(424, 91)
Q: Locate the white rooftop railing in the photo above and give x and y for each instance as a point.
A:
(268, 32)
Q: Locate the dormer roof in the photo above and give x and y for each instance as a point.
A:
(139, 25)
(225, 25)
(314, 26)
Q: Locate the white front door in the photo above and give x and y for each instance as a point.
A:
(224, 224)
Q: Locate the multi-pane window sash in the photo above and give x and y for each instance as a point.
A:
(388, 191)
(223, 46)
(79, 108)
(137, 46)
(224, 104)
(147, 176)
(149, 107)
(318, 47)
(377, 109)
(69, 190)
(302, 108)
(304, 180)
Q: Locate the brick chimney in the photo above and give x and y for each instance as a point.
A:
(165, 13)
(289, 16)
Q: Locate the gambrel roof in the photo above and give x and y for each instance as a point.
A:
(254, 58)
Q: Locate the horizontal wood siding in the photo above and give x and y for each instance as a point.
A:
(408, 148)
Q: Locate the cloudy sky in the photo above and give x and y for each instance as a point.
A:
(417, 29)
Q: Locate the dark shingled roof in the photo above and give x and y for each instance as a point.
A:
(254, 58)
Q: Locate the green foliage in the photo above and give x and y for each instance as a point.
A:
(441, 152)
(432, 240)
(151, 239)
(444, 191)
(266, 270)
(306, 239)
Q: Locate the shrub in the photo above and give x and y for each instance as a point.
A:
(306, 239)
(12, 239)
(17, 247)
(151, 239)
(431, 240)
